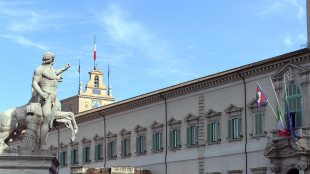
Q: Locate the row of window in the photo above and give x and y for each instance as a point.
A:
(213, 134)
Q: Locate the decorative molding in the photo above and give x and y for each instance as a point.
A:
(98, 138)
(275, 169)
(253, 104)
(212, 113)
(53, 148)
(74, 144)
(288, 69)
(301, 166)
(63, 146)
(139, 128)
(191, 117)
(233, 110)
(155, 125)
(173, 121)
(85, 140)
(124, 132)
(111, 135)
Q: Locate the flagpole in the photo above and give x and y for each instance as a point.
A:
(277, 99)
(79, 76)
(269, 103)
(108, 79)
(95, 52)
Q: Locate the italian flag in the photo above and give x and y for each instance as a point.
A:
(95, 49)
(282, 131)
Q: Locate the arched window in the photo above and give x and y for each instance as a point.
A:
(96, 83)
(294, 102)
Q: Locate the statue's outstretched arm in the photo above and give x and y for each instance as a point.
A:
(59, 71)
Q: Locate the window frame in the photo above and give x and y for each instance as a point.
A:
(295, 114)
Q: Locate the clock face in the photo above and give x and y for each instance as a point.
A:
(96, 104)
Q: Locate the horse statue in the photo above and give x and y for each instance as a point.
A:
(29, 117)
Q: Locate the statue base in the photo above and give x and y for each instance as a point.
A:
(38, 163)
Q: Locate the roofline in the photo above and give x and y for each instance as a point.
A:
(205, 82)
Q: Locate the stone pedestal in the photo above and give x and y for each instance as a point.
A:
(40, 163)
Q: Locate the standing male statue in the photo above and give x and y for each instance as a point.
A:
(44, 82)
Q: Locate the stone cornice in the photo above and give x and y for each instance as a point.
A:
(246, 71)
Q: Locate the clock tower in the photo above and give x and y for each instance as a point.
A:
(95, 95)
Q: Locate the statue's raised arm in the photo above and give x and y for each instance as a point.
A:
(59, 71)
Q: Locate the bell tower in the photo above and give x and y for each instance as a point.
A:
(95, 95)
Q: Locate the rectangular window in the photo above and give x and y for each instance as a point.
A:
(234, 128)
(74, 157)
(192, 135)
(157, 142)
(140, 146)
(258, 117)
(111, 149)
(174, 138)
(125, 147)
(212, 132)
(63, 158)
(86, 154)
(98, 152)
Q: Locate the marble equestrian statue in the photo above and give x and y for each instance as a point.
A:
(37, 116)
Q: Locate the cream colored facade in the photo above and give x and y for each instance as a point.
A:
(253, 148)
(95, 95)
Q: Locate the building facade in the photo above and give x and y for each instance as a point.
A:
(209, 125)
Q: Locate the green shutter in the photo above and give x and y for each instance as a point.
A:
(260, 121)
(171, 139)
(239, 127)
(84, 154)
(189, 137)
(154, 142)
(178, 137)
(195, 134)
(256, 123)
(96, 152)
(216, 124)
(127, 146)
(230, 129)
(160, 141)
(61, 159)
(209, 133)
(72, 157)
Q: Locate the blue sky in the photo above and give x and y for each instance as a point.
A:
(149, 44)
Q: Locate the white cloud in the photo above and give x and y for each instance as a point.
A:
(25, 42)
(280, 5)
(21, 19)
(288, 41)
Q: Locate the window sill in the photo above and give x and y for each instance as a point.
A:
(158, 151)
(215, 142)
(75, 164)
(87, 162)
(64, 166)
(192, 146)
(236, 139)
(126, 156)
(98, 160)
(140, 154)
(112, 158)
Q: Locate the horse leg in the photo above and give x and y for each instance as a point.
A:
(74, 123)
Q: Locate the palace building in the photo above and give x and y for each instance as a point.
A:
(209, 125)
